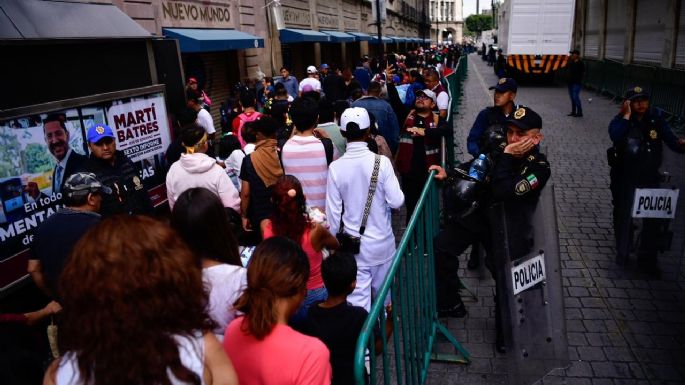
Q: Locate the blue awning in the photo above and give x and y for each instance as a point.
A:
(339, 37)
(386, 40)
(399, 39)
(360, 36)
(293, 35)
(208, 40)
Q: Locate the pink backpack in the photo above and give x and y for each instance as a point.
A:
(243, 119)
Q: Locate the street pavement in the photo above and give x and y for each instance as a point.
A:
(622, 326)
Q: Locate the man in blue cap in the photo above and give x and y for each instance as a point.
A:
(116, 171)
(635, 158)
(490, 118)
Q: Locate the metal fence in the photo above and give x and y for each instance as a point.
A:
(666, 86)
(404, 358)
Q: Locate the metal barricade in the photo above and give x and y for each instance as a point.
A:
(405, 358)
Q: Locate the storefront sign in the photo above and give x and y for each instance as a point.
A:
(297, 17)
(351, 24)
(655, 203)
(195, 14)
(328, 21)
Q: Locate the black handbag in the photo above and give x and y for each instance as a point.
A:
(350, 243)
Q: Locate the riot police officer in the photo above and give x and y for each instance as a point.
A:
(517, 174)
(496, 115)
(638, 136)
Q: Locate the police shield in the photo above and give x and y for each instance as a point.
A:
(530, 293)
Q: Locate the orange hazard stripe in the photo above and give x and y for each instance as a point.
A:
(549, 61)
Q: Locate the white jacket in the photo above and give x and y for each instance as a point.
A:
(199, 170)
(348, 181)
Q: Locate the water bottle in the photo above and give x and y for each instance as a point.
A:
(479, 168)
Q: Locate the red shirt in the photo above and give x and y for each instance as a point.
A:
(284, 357)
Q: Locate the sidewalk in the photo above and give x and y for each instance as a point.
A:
(622, 327)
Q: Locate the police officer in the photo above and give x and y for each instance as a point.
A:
(116, 171)
(638, 136)
(518, 174)
(490, 118)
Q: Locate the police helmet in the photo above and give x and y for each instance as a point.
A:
(462, 191)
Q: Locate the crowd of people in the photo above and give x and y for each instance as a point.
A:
(279, 231)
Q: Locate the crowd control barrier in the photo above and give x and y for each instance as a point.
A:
(664, 85)
(455, 88)
(405, 357)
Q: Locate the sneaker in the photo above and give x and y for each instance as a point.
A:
(571, 114)
(579, 115)
(457, 311)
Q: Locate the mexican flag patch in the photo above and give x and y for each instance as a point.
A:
(533, 180)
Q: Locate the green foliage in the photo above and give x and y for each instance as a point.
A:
(478, 23)
(38, 159)
(10, 157)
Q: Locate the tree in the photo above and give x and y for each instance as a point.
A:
(10, 155)
(478, 23)
(38, 159)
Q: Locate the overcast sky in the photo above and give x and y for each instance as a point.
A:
(470, 6)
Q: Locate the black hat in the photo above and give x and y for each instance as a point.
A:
(504, 85)
(574, 51)
(636, 92)
(525, 119)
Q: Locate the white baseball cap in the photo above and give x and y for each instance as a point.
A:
(428, 93)
(311, 70)
(355, 115)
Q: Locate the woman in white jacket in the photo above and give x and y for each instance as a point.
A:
(196, 169)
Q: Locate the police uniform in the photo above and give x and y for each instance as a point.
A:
(488, 117)
(635, 159)
(514, 182)
(128, 196)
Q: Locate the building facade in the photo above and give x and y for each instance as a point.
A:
(447, 21)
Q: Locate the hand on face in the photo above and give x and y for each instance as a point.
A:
(520, 148)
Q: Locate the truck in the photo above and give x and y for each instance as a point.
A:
(535, 36)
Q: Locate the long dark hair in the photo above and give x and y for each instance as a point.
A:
(278, 269)
(129, 286)
(289, 216)
(201, 219)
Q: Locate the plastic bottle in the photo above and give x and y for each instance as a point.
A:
(479, 168)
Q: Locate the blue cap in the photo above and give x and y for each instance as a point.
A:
(504, 85)
(98, 132)
(324, 65)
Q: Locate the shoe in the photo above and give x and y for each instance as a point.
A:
(571, 114)
(578, 115)
(457, 311)
(473, 263)
(621, 260)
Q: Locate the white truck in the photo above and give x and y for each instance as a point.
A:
(535, 35)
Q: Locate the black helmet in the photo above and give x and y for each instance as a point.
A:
(494, 138)
(462, 192)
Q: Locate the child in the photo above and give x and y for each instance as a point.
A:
(337, 323)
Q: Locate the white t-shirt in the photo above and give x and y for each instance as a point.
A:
(314, 82)
(204, 119)
(225, 283)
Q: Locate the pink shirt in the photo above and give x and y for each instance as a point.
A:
(315, 257)
(284, 357)
(304, 157)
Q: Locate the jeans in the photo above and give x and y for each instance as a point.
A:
(574, 93)
(313, 296)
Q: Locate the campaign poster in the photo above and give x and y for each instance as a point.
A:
(32, 146)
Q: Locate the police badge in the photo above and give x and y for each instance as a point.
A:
(520, 113)
(652, 134)
(100, 130)
(137, 183)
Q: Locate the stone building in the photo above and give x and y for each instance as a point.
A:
(447, 21)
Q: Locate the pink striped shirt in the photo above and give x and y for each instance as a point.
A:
(305, 158)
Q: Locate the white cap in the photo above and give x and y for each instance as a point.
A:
(311, 70)
(428, 93)
(355, 115)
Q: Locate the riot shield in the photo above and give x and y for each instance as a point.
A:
(530, 295)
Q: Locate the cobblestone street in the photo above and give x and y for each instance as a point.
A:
(622, 327)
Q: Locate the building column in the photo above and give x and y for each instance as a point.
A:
(670, 33)
(631, 11)
(317, 55)
(602, 29)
